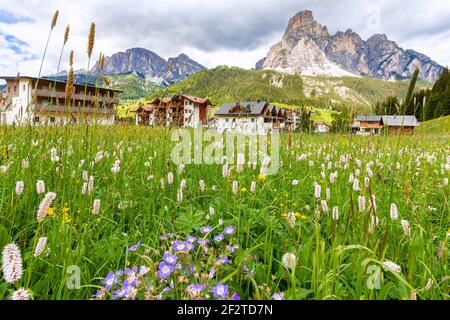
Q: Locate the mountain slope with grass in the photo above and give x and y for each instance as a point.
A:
(223, 84)
(439, 125)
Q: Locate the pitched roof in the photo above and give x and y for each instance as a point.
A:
(400, 121)
(253, 108)
(368, 118)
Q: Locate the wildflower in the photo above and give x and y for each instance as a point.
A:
(170, 258)
(235, 296)
(180, 195)
(211, 211)
(53, 155)
(394, 212)
(135, 247)
(116, 167)
(183, 184)
(181, 246)
(324, 205)
(328, 193)
(223, 260)
(170, 178)
(180, 168)
(335, 213)
(20, 294)
(165, 270)
(243, 189)
(91, 40)
(195, 290)
(289, 260)
(91, 185)
(205, 229)
(405, 226)
(261, 178)
(253, 186)
(191, 239)
(44, 206)
(235, 187)
(25, 164)
(361, 203)
(40, 187)
(295, 182)
(317, 191)
(11, 263)
(203, 242)
(240, 162)
(366, 182)
(51, 212)
(225, 170)
(220, 291)
(413, 295)
(112, 279)
(162, 183)
(391, 266)
(277, 296)
(369, 171)
(301, 157)
(19, 187)
(333, 177)
(96, 206)
(40, 246)
(219, 237)
(356, 184)
(202, 185)
(445, 182)
(291, 218)
(228, 230)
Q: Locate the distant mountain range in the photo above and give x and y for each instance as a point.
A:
(308, 48)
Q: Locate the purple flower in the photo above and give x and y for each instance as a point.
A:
(189, 246)
(246, 274)
(111, 279)
(203, 242)
(166, 236)
(165, 270)
(143, 270)
(195, 290)
(170, 258)
(220, 291)
(232, 248)
(191, 239)
(229, 230)
(219, 237)
(205, 229)
(235, 296)
(212, 273)
(135, 247)
(179, 246)
(99, 295)
(131, 276)
(277, 296)
(223, 260)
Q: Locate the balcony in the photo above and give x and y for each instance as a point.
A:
(59, 108)
(79, 96)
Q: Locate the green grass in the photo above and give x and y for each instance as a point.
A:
(335, 259)
(439, 126)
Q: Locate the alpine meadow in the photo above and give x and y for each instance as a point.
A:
(95, 206)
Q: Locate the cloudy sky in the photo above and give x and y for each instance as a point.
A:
(232, 32)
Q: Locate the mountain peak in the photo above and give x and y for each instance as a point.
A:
(308, 48)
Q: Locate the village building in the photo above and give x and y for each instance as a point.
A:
(369, 125)
(180, 110)
(321, 127)
(254, 117)
(22, 103)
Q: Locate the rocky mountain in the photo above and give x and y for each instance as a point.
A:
(308, 48)
(149, 64)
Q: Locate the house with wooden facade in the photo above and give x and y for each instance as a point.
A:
(369, 125)
(180, 110)
(22, 102)
(254, 117)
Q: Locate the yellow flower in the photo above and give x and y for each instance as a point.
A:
(261, 178)
(243, 189)
(66, 218)
(65, 210)
(304, 217)
(51, 212)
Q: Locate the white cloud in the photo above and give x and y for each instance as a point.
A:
(235, 32)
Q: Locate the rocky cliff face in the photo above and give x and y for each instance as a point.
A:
(150, 65)
(308, 48)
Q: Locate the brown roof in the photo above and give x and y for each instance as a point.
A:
(197, 99)
(144, 108)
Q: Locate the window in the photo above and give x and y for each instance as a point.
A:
(36, 120)
(24, 87)
(15, 88)
(9, 89)
(227, 120)
(52, 119)
(253, 120)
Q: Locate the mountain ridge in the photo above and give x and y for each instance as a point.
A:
(309, 49)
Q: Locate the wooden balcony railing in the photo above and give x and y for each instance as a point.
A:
(79, 96)
(59, 108)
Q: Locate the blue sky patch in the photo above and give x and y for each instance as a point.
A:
(9, 18)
